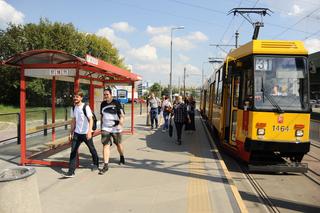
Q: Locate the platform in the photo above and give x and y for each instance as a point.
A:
(159, 176)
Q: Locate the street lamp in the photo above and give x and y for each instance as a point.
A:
(170, 85)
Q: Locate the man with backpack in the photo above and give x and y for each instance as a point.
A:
(112, 117)
(81, 131)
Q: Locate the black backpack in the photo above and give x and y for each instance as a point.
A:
(94, 118)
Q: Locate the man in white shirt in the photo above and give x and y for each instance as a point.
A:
(81, 131)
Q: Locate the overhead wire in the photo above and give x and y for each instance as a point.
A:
(221, 39)
(151, 10)
(290, 27)
(255, 4)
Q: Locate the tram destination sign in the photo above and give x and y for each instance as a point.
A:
(49, 72)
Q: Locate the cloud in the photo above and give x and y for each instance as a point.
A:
(157, 30)
(122, 27)
(183, 58)
(145, 53)
(9, 14)
(182, 43)
(178, 43)
(295, 11)
(110, 35)
(161, 41)
(197, 36)
(313, 45)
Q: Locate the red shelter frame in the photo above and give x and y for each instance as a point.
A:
(59, 65)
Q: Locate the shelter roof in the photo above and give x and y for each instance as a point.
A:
(90, 66)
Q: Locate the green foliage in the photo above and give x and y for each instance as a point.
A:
(156, 89)
(46, 35)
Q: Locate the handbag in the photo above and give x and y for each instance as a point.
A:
(170, 128)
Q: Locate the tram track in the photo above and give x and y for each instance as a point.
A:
(259, 191)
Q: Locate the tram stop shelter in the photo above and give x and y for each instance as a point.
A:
(58, 65)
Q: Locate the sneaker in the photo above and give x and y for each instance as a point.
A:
(163, 130)
(121, 160)
(178, 142)
(69, 175)
(104, 169)
(94, 168)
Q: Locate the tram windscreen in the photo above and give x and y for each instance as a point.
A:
(281, 83)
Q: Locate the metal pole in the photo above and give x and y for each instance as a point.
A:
(170, 85)
(202, 75)
(140, 108)
(66, 117)
(18, 129)
(179, 86)
(45, 122)
(237, 37)
(184, 82)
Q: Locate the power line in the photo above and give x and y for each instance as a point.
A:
(289, 28)
(238, 29)
(313, 34)
(229, 24)
(198, 6)
(150, 10)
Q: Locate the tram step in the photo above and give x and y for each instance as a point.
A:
(283, 167)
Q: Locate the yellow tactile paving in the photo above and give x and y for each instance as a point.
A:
(198, 192)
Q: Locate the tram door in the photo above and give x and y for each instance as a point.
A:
(231, 110)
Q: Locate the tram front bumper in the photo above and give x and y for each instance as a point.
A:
(288, 147)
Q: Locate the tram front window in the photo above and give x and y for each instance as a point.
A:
(281, 83)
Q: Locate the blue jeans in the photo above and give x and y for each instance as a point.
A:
(75, 143)
(154, 117)
(166, 120)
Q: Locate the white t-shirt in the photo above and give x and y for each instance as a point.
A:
(82, 123)
(165, 103)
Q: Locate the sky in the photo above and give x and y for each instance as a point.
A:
(141, 29)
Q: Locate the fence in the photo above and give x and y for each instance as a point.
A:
(10, 122)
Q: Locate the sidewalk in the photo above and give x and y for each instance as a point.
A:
(159, 176)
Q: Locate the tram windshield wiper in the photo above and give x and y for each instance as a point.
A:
(270, 98)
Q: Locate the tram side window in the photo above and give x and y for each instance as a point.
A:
(219, 86)
(247, 87)
(216, 86)
(236, 86)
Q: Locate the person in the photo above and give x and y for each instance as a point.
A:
(154, 102)
(191, 106)
(180, 116)
(166, 108)
(112, 118)
(81, 131)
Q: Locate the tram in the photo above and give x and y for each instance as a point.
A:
(257, 103)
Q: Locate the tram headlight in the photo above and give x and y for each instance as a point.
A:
(261, 131)
(299, 133)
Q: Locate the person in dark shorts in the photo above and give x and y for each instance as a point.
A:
(112, 118)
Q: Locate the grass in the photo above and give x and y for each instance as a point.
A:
(33, 113)
(37, 113)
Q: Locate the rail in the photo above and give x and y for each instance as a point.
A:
(36, 129)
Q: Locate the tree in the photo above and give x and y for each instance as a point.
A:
(46, 35)
(156, 89)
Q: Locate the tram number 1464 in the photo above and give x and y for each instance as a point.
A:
(279, 128)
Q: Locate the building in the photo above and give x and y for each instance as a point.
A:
(142, 87)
